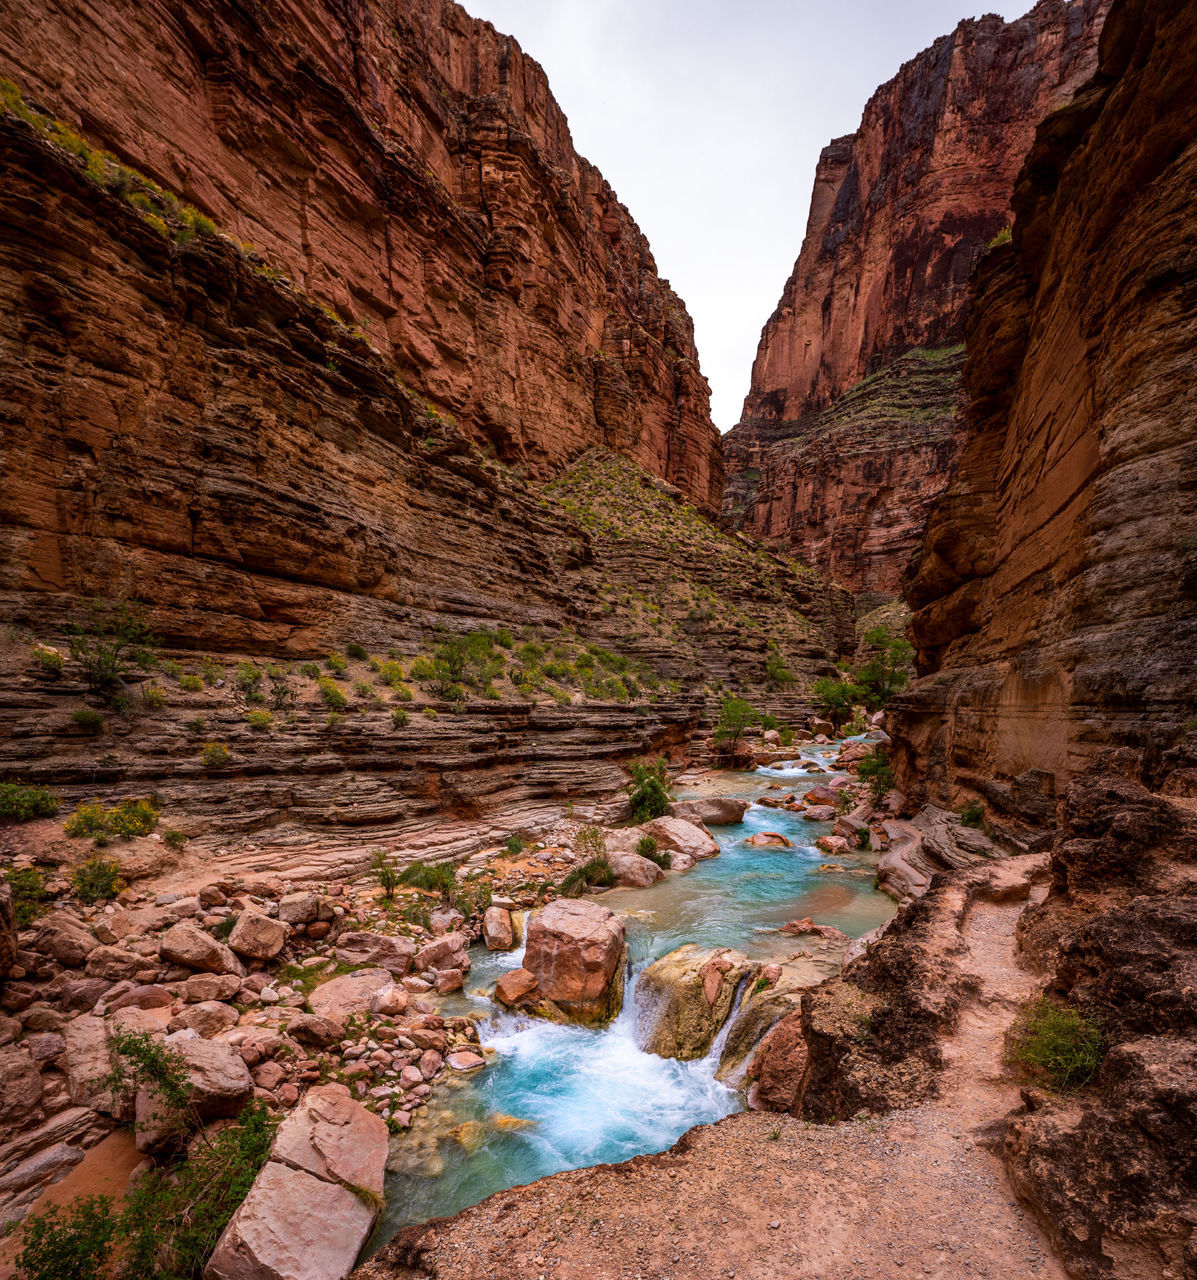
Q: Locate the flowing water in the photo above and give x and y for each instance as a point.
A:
(554, 1097)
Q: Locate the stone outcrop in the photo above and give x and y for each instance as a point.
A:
(576, 953)
(314, 1202)
(8, 931)
(410, 168)
(849, 429)
(1055, 593)
(685, 997)
(1108, 1171)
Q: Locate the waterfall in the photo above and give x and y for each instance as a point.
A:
(715, 1052)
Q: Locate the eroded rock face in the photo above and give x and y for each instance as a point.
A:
(1054, 600)
(849, 429)
(413, 169)
(575, 951)
(8, 931)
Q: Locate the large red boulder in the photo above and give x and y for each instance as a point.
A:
(576, 952)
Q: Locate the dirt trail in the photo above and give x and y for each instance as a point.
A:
(762, 1197)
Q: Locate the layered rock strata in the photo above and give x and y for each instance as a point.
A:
(1055, 593)
(900, 213)
(411, 169)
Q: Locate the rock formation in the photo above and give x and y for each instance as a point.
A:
(576, 953)
(685, 997)
(1055, 593)
(410, 168)
(849, 429)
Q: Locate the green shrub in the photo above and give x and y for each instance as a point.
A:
(646, 847)
(210, 670)
(112, 639)
(88, 720)
(154, 697)
(334, 719)
(28, 893)
(1055, 1045)
(835, 698)
(390, 673)
(332, 694)
(97, 879)
(282, 695)
(190, 684)
(402, 693)
(173, 837)
(433, 877)
(385, 874)
(247, 676)
(21, 804)
(736, 716)
(362, 689)
(875, 770)
(355, 650)
(88, 820)
(597, 871)
(70, 1242)
(973, 814)
(888, 670)
(197, 724)
(215, 755)
(514, 846)
(132, 818)
(259, 721)
(399, 718)
(421, 670)
(504, 639)
(170, 668)
(49, 660)
(777, 674)
(649, 790)
(336, 663)
(311, 670)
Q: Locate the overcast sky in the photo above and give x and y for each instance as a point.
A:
(707, 118)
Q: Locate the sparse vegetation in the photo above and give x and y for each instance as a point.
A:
(191, 684)
(384, 873)
(215, 755)
(112, 639)
(399, 718)
(173, 837)
(48, 660)
(260, 721)
(28, 894)
(431, 877)
(736, 716)
(875, 770)
(356, 651)
(1055, 1045)
(973, 814)
(129, 818)
(514, 846)
(332, 694)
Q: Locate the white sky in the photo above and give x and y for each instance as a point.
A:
(707, 118)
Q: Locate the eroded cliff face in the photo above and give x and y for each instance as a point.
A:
(411, 168)
(1055, 594)
(901, 211)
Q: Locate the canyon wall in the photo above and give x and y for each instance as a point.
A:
(408, 166)
(1055, 593)
(900, 213)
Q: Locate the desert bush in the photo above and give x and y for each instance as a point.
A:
(973, 814)
(1054, 1044)
(875, 770)
(385, 874)
(311, 670)
(28, 893)
(649, 789)
(432, 877)
(48, 660)
(259, 721)
(336, 663)
(154, 697)
(514, 846)
(113, 638)
(355, 650)
(97, 879)
(190, 684)
(596, 871)
(332, 694)
(21, 804)
(215, 754)
(399, 718)
(173, 837)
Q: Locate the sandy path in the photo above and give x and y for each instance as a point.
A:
(762, 1197)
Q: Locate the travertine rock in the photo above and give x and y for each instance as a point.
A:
(685, 997)
(680, 836)
(334, 1138)
(849, 429)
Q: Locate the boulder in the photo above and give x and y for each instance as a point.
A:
(678, 835)
(446, 952)
(445, 920)
(80, 994)
(821, 795)
(313, 1029)
(833, 844)
(258, 936)
(20, 1090)
(292, 1226)
(147, 996)
(517, 987)
(340, 998)
(498, 932)
(390, 1001)
(299, 908)
(334, 1138)
(769, 840)
(114, 963)
(576, 952)
(465, 1060)
(211, 986)
(87, 1064)
(448, 980)
(393, 954)
(821, 727)
(819, 813)
(852, 753)
(189, 945)
(780, 1067)
(634, 872)
(710, 811)
(208, 1018)
(685, 997)
(65, 940)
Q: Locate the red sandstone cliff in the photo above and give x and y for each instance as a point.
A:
(410, 166)
(1055, 593)
(900, 213)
